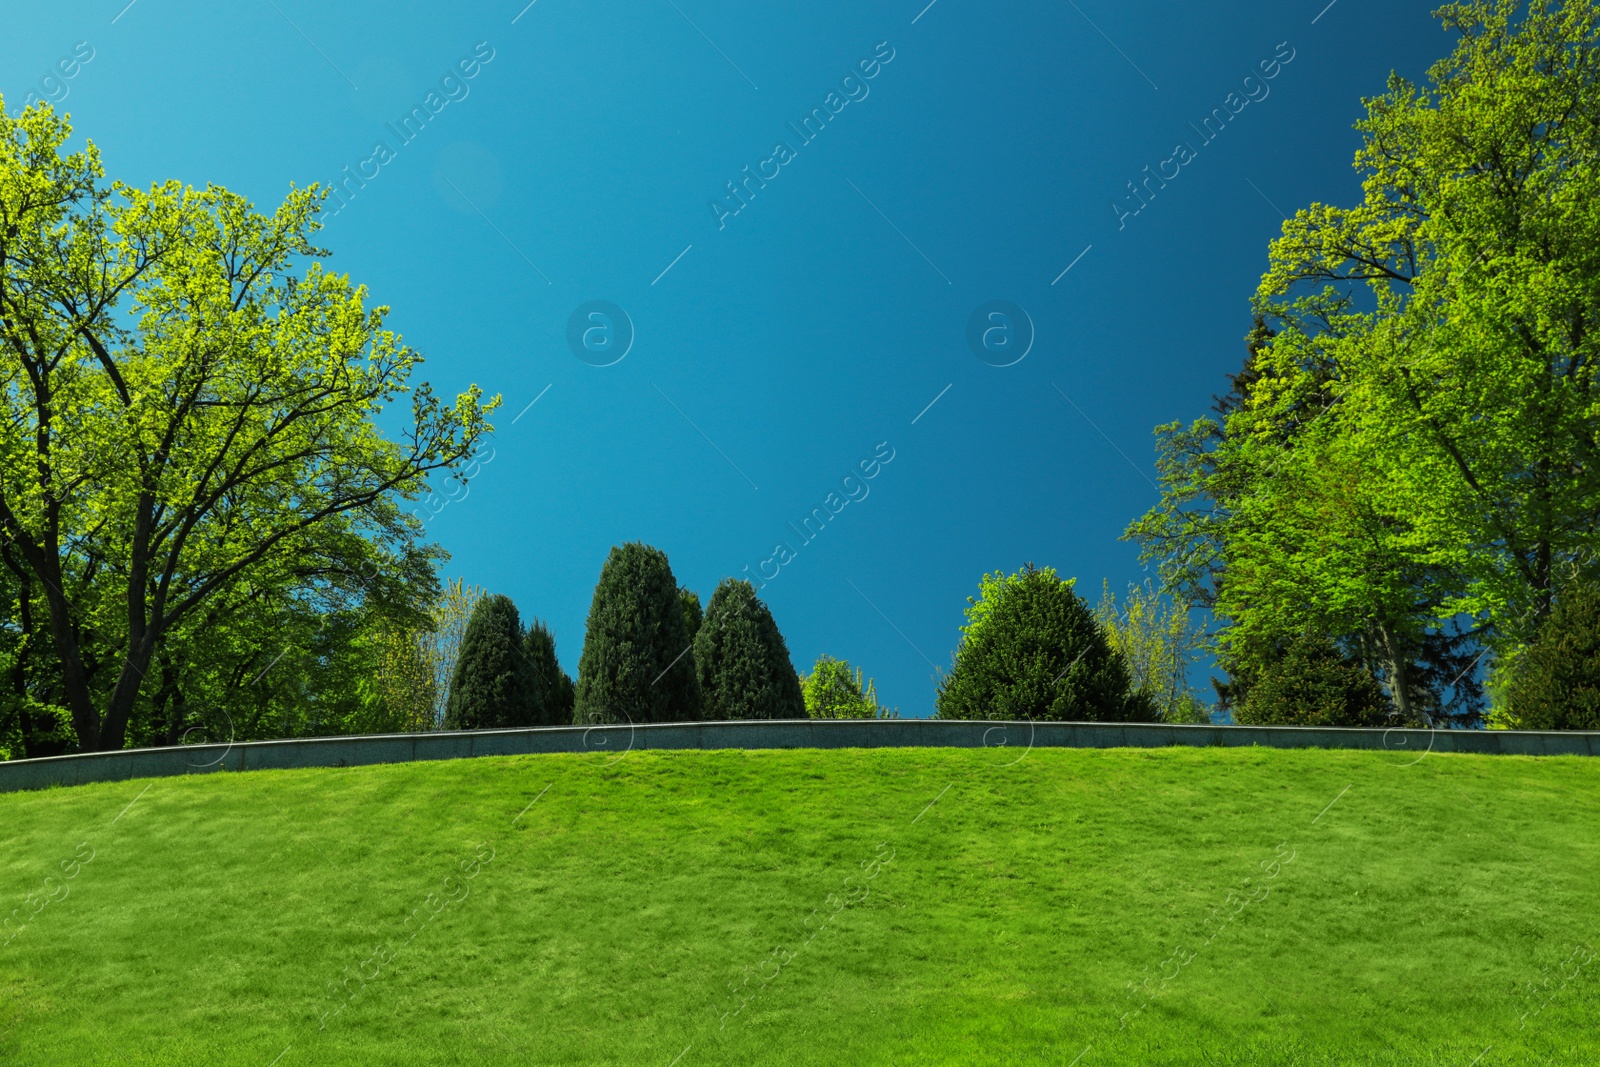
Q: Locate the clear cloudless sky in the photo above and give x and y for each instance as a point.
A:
(779, 350)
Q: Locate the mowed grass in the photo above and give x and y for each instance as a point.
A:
(697, 908)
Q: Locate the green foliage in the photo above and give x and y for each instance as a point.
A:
(835, 690)
(404, 680)
(693, 614)
(1311, 683)
(188, 442)
(742, 661)
(550, 691)
(1189, 710)
(1158, 640)
(493, 680)
(441, 636)
(1031, 649)
(320, 649)
(1555, 684)
(1412, 443)
(501, 674)
(34, 722)
(636, 664)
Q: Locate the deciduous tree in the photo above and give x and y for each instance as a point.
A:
(189, 400)
(1410, 462)
(835, 690)
(1158, 639)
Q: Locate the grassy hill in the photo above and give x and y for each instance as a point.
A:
(1182, 906)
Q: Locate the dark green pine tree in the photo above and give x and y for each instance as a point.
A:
(693, 615)
(550, 691)
(1033, 650)
(1312, 683)
(742, 660)
(1556, 686)
(636, 665)
(489, 687)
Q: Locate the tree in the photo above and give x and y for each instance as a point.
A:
(1274, 522)
(636, 664)
(693, 614)
(1312, 683)
(1412, 460)
(550, 691)
(742, 661)
(1158, 640)
(448, 619)
(834, 690)
(1031, 649)
(403, 681)
(1460, 304)
(1204, 473)
(33, 721)
(493, 678)
(1555, 684)
(148, 471)
(314, 647)
(323, 647)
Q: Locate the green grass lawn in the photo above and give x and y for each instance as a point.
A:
(1178, 906)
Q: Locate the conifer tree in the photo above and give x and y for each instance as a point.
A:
(1312, 683)
(742, 661)
(636, 664)
(550, 691)
(489, 687)
(1031, 649)
(1556, 686)
(693, 614)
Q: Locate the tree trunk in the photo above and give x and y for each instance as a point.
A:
(170, 693)
(74, 677)
(1397, 667)
(113, 732)
(142, 632)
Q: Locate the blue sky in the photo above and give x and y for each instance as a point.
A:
(776, 349)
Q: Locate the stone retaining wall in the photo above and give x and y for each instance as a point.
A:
(758, 734)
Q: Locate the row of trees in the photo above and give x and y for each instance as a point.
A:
(506, 675)
(1393, 511)
(651, 653)
(1031, 649)
(1391, 514)
(202, 527)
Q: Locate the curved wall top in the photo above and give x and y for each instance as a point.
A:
(759, 734)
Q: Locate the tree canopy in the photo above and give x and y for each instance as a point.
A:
(1311, 683)
(188, 438)
(1157, 639)
(1407, 464)
(1031, 649)
(742, 660)
(835, 690)
(636, 664)
(1555, 683)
